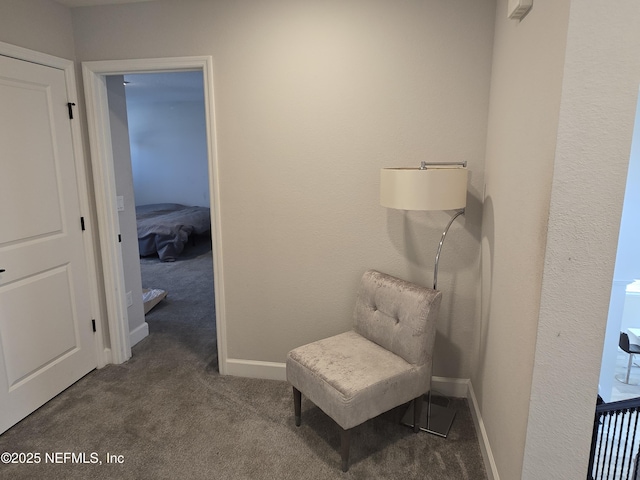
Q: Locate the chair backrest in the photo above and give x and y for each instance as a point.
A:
(397, 315)
(624, 342)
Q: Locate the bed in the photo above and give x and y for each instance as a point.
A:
(165, 228)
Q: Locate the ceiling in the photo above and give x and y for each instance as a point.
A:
(90, 3)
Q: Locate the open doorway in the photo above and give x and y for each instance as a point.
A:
(103, 156)
(159, 143)
(624, 306)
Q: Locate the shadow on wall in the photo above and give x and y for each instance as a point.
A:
(415, 236)
(486, 272)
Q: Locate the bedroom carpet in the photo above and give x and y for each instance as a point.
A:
(168, 414)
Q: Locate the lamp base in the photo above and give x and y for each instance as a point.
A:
(435, 419)
(622, 378)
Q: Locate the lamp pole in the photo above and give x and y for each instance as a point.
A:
(444, 234)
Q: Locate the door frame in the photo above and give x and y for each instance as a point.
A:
(94, 78)
(82, 179)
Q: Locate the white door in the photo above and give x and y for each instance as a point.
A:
(46, 333)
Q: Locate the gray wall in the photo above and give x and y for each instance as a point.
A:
(41, 25)
(312, 99)
(599, 94)
(124, 188)
(563, 95)
(526, 87)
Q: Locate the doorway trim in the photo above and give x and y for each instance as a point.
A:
(94, 78)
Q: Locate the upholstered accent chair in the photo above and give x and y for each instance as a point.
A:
(383, 362)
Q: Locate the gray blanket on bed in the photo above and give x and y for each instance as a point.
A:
(164, 228)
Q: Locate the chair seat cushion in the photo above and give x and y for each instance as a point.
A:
(353, 379)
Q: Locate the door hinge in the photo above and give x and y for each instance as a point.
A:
(93, 324)
(82, 223)
(70, 106)
(119, 238)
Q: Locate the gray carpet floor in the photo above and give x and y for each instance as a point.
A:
(168, 414)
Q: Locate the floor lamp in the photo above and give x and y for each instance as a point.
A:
(432, 186)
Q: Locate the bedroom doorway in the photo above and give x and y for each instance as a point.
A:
(159, 140)
(98, 78)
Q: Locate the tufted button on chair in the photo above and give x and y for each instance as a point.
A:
(383, 362)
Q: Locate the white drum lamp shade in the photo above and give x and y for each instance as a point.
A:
(432, 188)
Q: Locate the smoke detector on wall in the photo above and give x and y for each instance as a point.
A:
(517, 9)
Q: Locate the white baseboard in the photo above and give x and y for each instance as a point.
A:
(483, 439)
(139, 333)
(255, 369)
(451, 387)
(106, 358)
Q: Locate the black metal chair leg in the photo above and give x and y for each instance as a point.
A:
(417, 413)
(345, 441)
(297, 405)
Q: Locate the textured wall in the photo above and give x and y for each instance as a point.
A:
(525, 102)
(600, 88)
(312, 99)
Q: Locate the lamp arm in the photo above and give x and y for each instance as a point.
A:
(444, 234)
(425, 165)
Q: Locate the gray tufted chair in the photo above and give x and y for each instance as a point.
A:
(383, 362)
